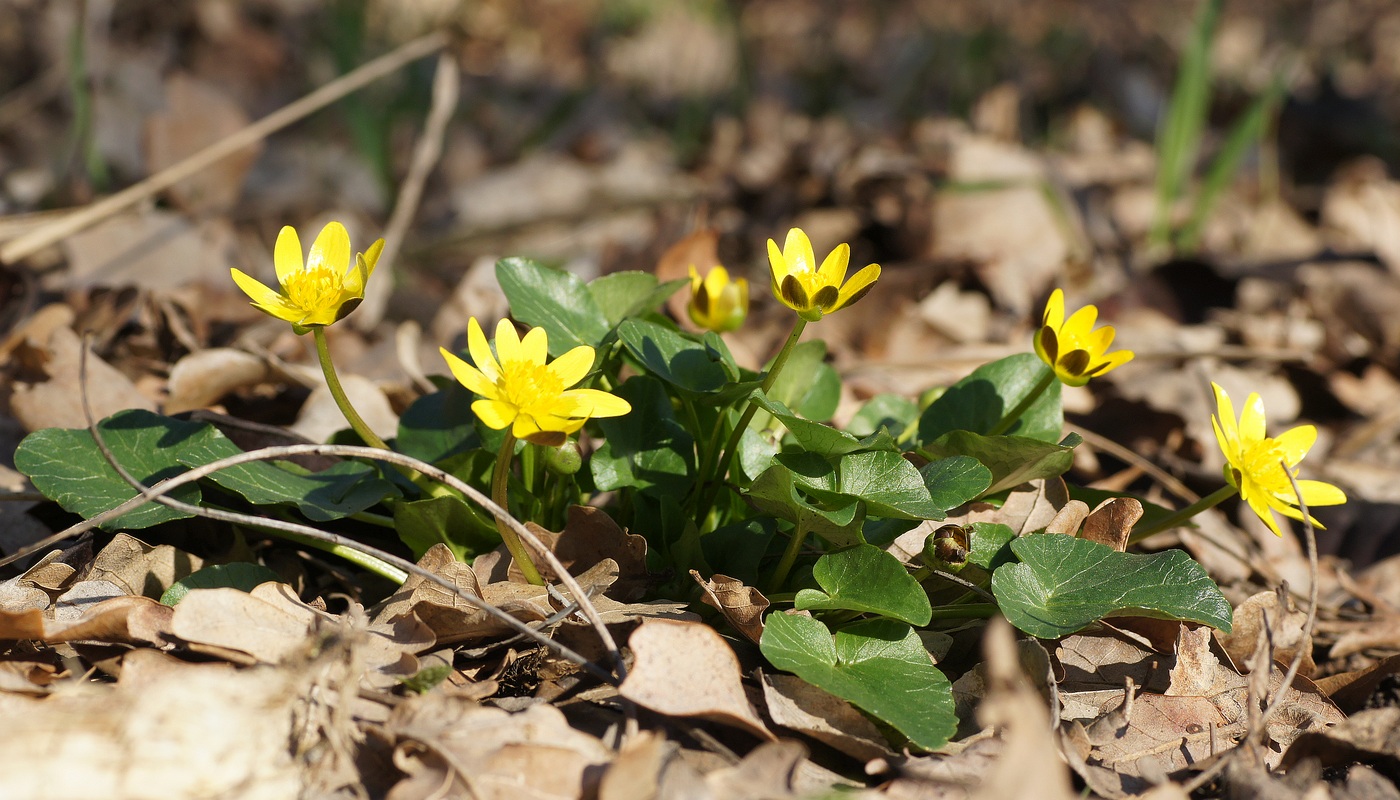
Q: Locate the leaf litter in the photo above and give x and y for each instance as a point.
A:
(321, 685)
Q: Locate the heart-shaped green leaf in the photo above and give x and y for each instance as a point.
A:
(1013, 460)
(647, 449)
(879, 665)
(620, 295)
(887, 484)
(66, 465)
(866, 579)
(1063, 583)
(821, 439)
(672, 356)
(554, 300)
(976, 403)
(895, 413)
(421, 524)
(438, 425)
(807, 383)
(775, 493)
(955, 480)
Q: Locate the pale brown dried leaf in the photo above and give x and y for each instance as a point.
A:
(742, 605)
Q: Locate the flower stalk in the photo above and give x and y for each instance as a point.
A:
(338, 392)
(500, 479)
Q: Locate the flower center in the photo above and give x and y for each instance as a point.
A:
(1263, 463)
(313, 289)
(526, 383)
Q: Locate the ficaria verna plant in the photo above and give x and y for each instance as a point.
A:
(606, 401)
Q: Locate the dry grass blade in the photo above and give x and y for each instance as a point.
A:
(53, 232)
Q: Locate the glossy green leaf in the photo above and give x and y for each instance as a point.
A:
(807, 383)
(447, 520)
(879, 665)
(672, 356)
(240, 575)
(895, 413)
(819, 438)
(978, 402)
(1013, 460)
(346, 488)
(888, 484)
(955, 480)
(620, 295)
(989, 545)
(646, 450)
(439, 424)
(555, 300)
(67, 466)
(1063, 583)
(866, 579)
(775, 493)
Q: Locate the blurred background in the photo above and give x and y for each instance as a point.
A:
(1217, 176)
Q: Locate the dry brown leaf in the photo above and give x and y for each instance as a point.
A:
(235, 622)
(1383, 634)
(686, 669)
(1069, 518)
(213, 733)
(1351, 690)
(201, 379)
(1364, 736)
(151, 248)
(768, 772)
(798, 705)
(142, 569)
(742, 605)
(1030, 765)
(589, 537)
(1112, 521)
(197, 114)
(451, 619)
(45, 391)
(453, 747)
(320, 417)
(1284, 621)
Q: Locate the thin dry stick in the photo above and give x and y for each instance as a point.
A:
(447, 88)
(1168, 481)
(60, 229)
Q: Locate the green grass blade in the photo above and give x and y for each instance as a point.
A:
(1179, 138)
(1247, 132)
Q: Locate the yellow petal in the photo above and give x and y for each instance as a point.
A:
(507, 342)
(286, 254)
(469, 376)
(1111, 362)
(1080, 323)
(1098, 342)
(1252, 427)
(1054, 311)
(857, 287)
(534, 348)
(1317, 493)
(265, 298)
(1296, 442)
(696, 282)
(716, 281)
(481, 351)
(797, 252)
(1260, 508)
(331, 250)
(1225, 412)
(573, 365)
(833, 269)
(495, 414)
(372, 257)
(595, 403)
(777, 264)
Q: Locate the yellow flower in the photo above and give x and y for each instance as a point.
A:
(1072, 347)
(813, 291)
(716, 303)
(523, 393)
(1256, 463)
(320, 291)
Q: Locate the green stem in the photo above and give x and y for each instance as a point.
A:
(369, 518)
(967, 611)
(1181, 517)
(363, 560)
(1025, 404)
(794, 546)
(338, 392)
(722, 467)
(500, 477)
